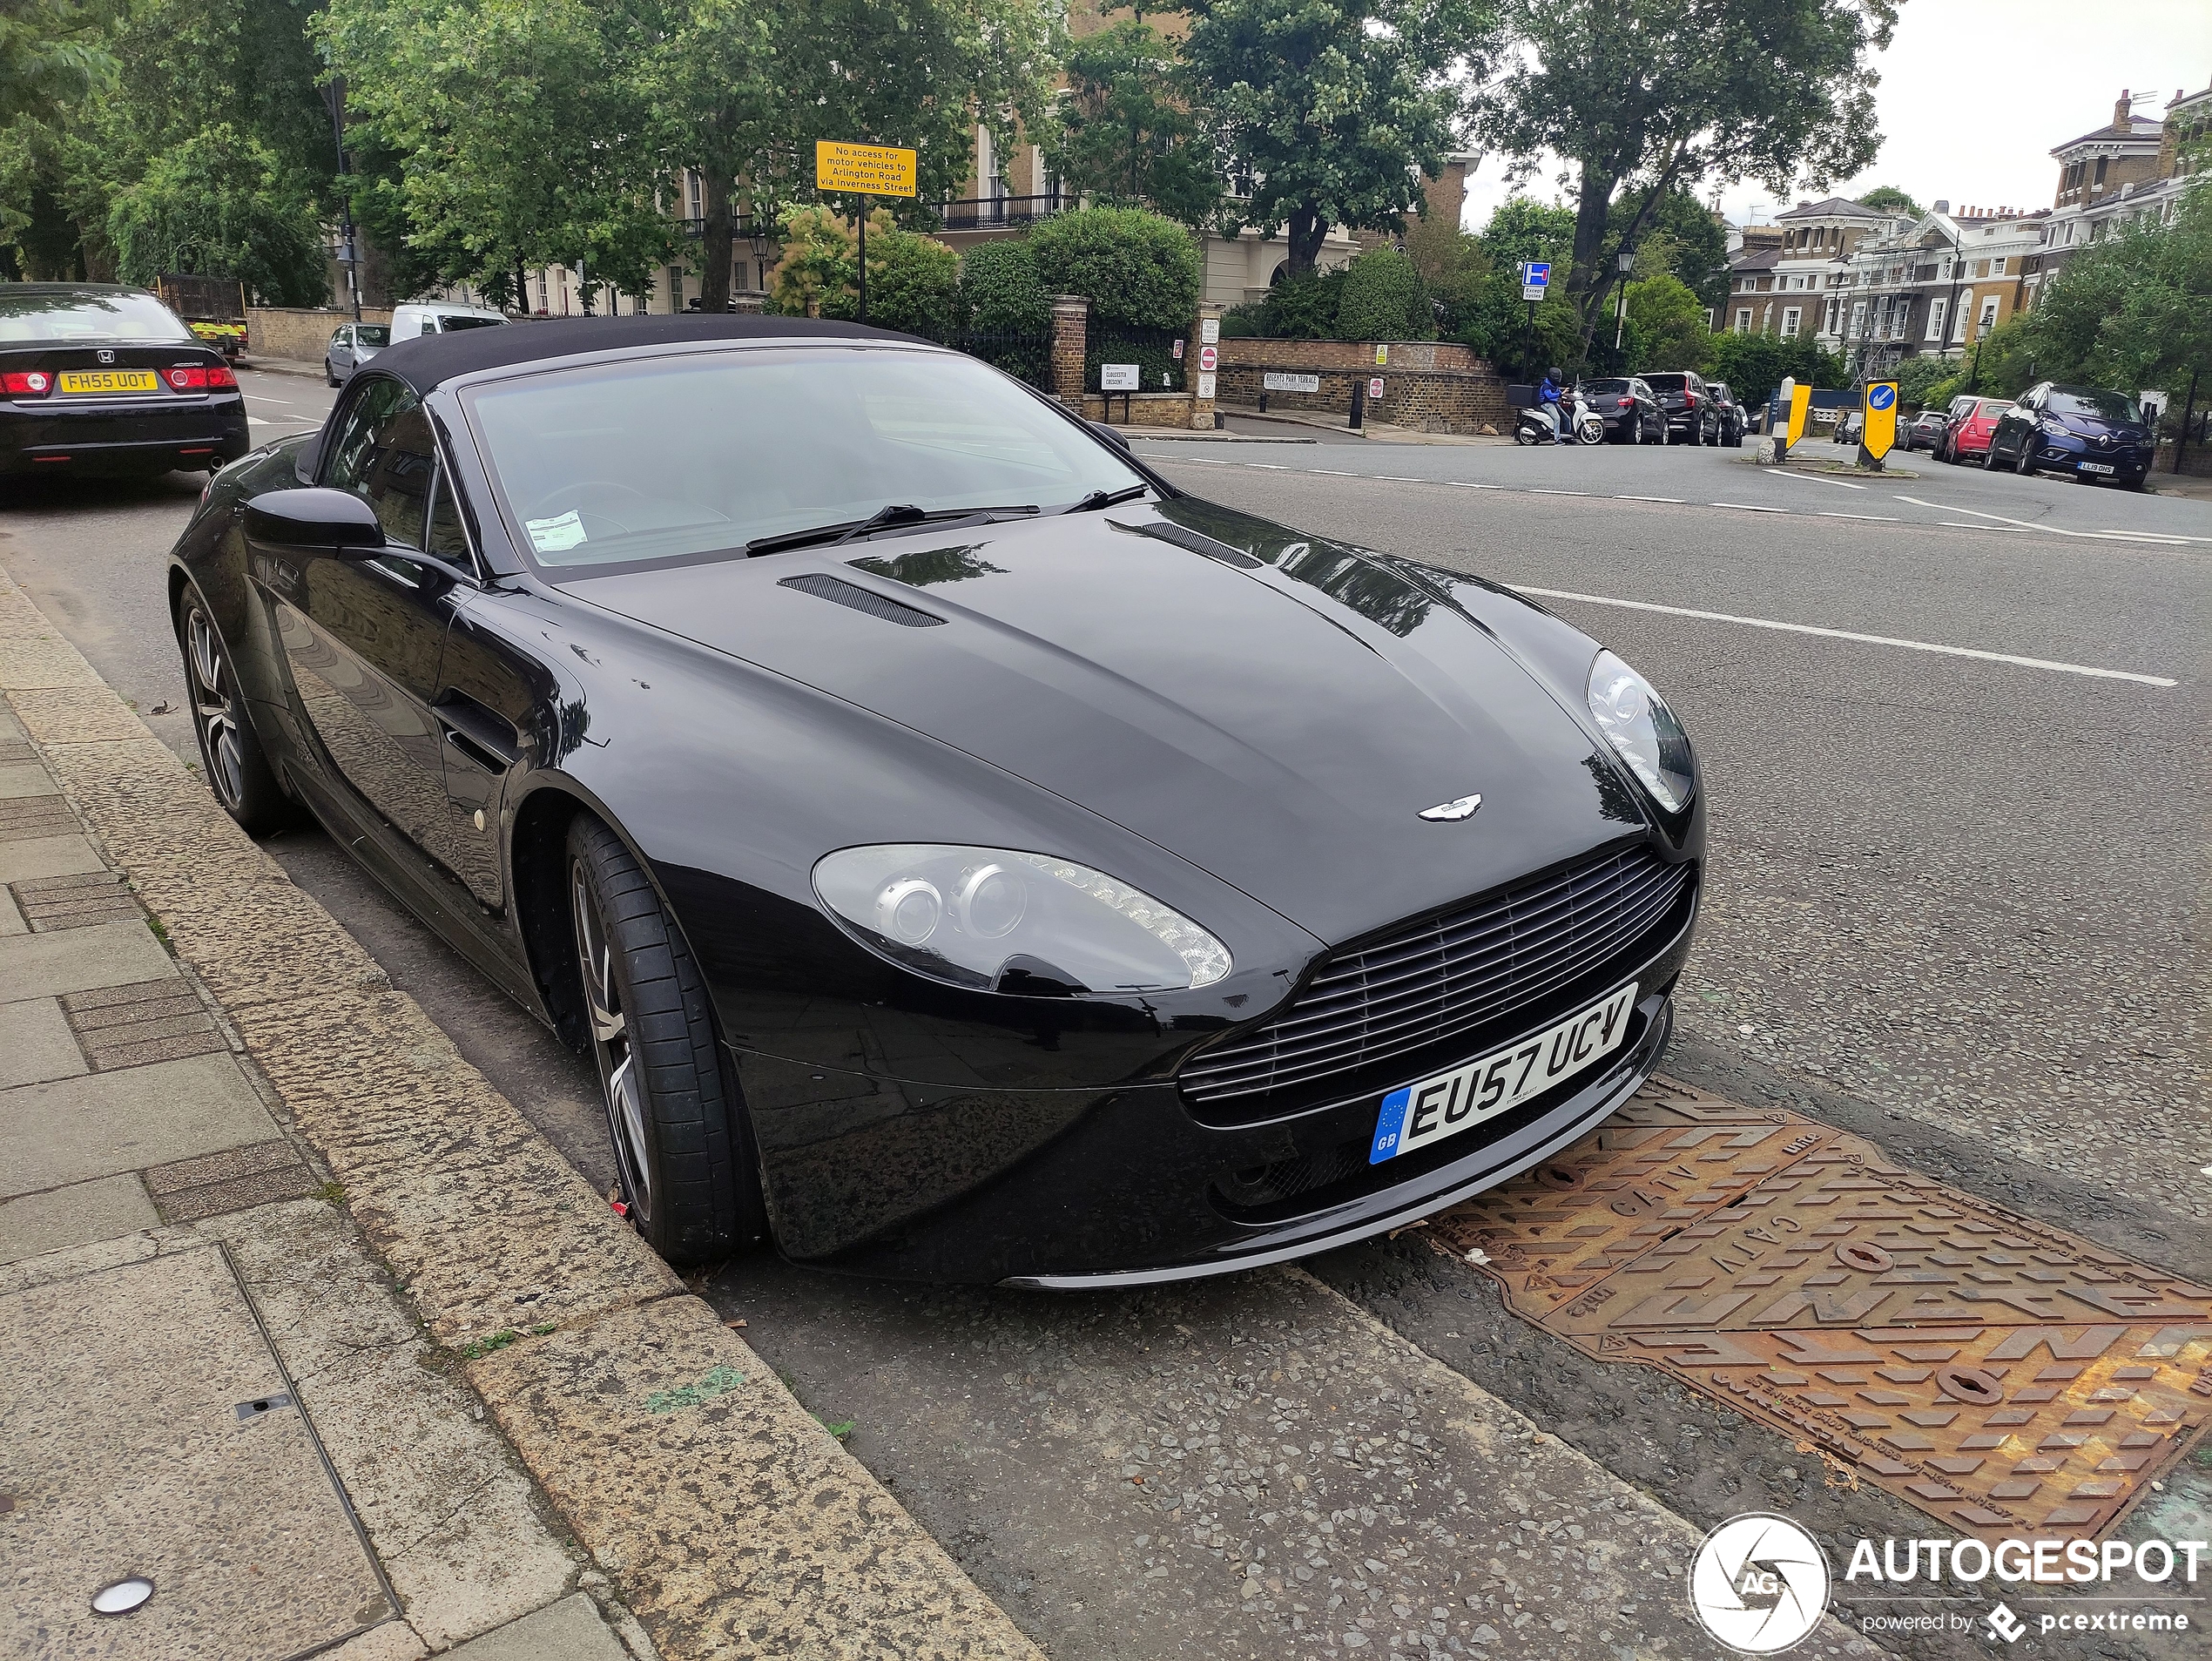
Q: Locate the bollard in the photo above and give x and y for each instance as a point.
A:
(1358, 401)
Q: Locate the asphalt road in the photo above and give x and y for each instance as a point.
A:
(1956, 903)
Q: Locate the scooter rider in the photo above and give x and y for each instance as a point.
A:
(1548, 397)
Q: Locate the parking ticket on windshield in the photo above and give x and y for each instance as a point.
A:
(556, 536)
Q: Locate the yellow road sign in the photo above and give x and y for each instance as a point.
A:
(1800, 405)
(867, 170)
(1880, 430)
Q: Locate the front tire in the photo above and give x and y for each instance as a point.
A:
(329, 374)
(230, 750)
(683, 1164)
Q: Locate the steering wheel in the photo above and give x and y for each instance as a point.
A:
(573, 495)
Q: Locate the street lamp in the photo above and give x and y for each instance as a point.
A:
(1627, 259)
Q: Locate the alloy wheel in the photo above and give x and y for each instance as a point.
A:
(215, 710)
(611, 1048)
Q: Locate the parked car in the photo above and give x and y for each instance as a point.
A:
(103, 379)
(1693, 416)
(1922, 431)
(351, 346)
(1967, 426)
(2091, 432)
(1735, 421)
(932, 820)
(440, 317)
(1628, 409)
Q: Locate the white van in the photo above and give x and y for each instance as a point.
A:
(439, 317)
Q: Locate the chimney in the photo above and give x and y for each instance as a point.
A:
(2120, 110)
(1943, 204)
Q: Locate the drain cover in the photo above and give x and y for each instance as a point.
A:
(1992, 1371)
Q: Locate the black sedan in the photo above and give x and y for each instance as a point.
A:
(2091, 432)
(966, 856)
(99, 379)
(1628, 409)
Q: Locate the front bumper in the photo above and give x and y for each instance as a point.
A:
(1073, 1188)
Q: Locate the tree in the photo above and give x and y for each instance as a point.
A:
(1522, 229)
(1682, 238)
(1000, 292)
(1451, 263)
(1126, 135)
(706, 77)
(1754, 364)
(1887, 198)
(222, 205)
(2133, 310)
(1670, 324)
(52, 54)
(1642, 96)
(1331, 107)
(1136, 267)
(1384, 299)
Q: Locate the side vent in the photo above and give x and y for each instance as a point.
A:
(860, 599)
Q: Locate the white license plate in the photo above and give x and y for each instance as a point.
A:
(1419, 1114)
(2099, 467)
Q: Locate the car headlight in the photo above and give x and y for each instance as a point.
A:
(999, 919)
(1636, 722)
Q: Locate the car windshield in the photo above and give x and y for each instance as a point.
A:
(2094, 402)
(66, 317)
(1993, 406)
(1605, 386)
(447, 322)
(693, 456)
(1666, 382)
(372, 335)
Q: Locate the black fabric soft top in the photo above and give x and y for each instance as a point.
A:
(430, 359)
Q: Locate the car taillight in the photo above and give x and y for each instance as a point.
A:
(1691, 398)
(198, 377)
(33, 383)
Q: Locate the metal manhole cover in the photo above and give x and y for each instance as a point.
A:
(1992, 1371)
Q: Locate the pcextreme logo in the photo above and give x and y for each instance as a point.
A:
(1759, 1584)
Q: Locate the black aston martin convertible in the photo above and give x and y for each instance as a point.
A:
(966, 855)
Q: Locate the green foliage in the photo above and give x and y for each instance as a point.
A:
(1384, 299)
(912, 279)
(1302, 307)
(1498, 328)
(1000, 291)
(1127, 134)
(1680, 237)
(821, 263)
(1331, 107)
(1521, 229)
(1451, 263)
(221, 205)
(53, 53)
(1134, 267)
(1669, 324)
(2131, 311)
(1754, 364)
(1999, 364)
(1890, 199)
(1647, 95)
(1917, 375)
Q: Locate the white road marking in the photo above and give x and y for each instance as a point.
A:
(2151, 536)
(1817, 478)
(1674, 500)
(1468, 485)
(1848, 634)
(1968, 524)
(264, 398)
(1537, 490)
(1749, 506)
(1878, 518)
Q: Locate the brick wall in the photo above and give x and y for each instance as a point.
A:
(1175, 410)
(1428, 401)
(298, 334)
(1071, 334)
(1350, 354)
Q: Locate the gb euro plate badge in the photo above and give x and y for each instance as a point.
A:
(1419, 1114)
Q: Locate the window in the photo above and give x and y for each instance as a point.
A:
(1935, 319)
(1989, 312)
(1743, 320)
(1858, 318)
(397, 480)
(694, 195)
(1996, 268)
(1790, 320)
(2101, 162)
(445, 536)
(353, 446)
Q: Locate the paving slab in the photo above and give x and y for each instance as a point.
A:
(121, 1121)
(75, 959)
(62, 855)
(12, 921)
(36, 1043)
(76, 1215)
(735, 1523)
(21, 779)
(135, 1449)
(451, 1515)
(568, 1631)
(81, 714)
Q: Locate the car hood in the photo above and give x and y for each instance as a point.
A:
(1277, 709)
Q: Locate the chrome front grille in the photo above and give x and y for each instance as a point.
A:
(1445, 976)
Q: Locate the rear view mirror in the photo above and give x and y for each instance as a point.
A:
(313, 518)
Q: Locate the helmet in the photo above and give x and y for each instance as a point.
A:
(1556, 374)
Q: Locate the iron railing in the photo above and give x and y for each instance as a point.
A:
(1158, 354)
(994, 213)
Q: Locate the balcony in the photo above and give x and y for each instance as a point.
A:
(998, 213)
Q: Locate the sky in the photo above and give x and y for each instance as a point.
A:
(1975, 93)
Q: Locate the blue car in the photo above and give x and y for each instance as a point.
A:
(2093, 433)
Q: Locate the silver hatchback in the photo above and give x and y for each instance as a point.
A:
(351, 346)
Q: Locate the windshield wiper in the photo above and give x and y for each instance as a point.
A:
(1098, 499)
(892, 516)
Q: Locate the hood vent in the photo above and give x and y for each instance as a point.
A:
(860, 599)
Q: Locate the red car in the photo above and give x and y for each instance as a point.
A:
(1966, 431)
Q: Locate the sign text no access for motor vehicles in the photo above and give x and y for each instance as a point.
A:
(1535, 277)
(864, 170)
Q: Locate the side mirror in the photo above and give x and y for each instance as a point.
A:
(1118, 439)
(313, 517)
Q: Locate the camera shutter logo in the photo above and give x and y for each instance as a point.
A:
(1760, 1583)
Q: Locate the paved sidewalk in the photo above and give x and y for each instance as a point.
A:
(284, 1285)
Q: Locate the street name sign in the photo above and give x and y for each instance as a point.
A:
(864, 170)
(1118, 377)
(1287, 381)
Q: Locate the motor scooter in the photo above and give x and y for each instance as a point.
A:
(1536, 424)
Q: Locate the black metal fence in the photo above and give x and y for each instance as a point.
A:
(1026, 355)
(1158, 354)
